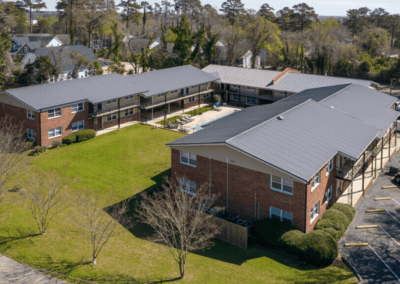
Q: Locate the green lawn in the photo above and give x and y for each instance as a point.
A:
(128, 162)
(191, 113)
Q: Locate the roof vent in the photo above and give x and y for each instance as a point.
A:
(280, 117)
(332, 107)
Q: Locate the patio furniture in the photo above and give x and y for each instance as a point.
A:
(172, 125)
(188, 118)
(224, 104)
(183, 129)
(216, 108)
(218, 104)
(185, 119)
(181, 122)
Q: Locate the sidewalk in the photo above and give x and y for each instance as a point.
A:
(12, 272)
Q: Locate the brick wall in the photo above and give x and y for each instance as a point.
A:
(246, 188)
(134, 117)
(19, 115)
(65, 121)
(319, 194)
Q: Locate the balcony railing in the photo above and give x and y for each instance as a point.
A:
(115, 107)
(171, 98)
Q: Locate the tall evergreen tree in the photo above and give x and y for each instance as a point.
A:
(266, 11)
(232, 9)
(28, 5)
(303, 16)
(130, 11)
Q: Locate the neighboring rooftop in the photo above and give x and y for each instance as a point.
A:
(95, 89)
(243, 76)
(171, 79)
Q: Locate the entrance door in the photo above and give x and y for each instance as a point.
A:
(99, 107)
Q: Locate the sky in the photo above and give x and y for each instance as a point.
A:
(322, 7)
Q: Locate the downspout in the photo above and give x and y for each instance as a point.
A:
(390, 138)
(352, 179)
(363, 175)
(40, 128)
(199, 95)
(227, 188)
(305, 202)
(382, 154)
(119, 113)
(209, 191)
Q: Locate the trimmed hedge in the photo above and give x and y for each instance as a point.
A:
(345, 209)
(334, 233)
(319, 248)
(270, 230)
(84, 134)
(327, 223)
(292, 242)
(338, 219)
(69, 139)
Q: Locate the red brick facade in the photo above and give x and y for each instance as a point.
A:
(195, 103)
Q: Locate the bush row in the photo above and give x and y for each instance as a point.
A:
(318, 247)
(79, 136)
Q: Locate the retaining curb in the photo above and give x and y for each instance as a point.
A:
(348, 264)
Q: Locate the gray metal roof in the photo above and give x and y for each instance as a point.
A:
(243, 76)
(95, 89)
(307, 137)
(171, 79)
(28, 59)
(295, 82)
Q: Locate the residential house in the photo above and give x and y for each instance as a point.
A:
(22, 44)
(173, 89)
(291, 159)
(242, 86)
(60, 56)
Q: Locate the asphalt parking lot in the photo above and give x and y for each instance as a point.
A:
(379, 262)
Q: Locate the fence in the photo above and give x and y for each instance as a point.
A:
(232, 233)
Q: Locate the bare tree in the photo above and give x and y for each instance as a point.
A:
(44, 195)
(178, 216)
(97, 225)
(12, 158)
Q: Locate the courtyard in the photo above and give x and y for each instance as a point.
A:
(128, 162)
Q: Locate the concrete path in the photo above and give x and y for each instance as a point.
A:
(12, 272)
(380, 261)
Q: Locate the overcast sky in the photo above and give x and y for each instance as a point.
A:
(322, 7)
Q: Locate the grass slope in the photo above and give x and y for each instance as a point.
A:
(128, 162)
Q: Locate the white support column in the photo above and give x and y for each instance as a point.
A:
(152, 113)
(169, 109)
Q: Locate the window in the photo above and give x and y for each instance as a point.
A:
(187, 186)
(173, 92)
(282, 184)
(111, 102)
(188, 159)
(249, 88)
(251, 100)
(205, 84)
(235, 86)
(328, 194)
(30, 134)
(129, 97)
(315, 181)
(161, 95)
(281, 215)
(111, 117)
(194, 86)
(314, 212)
(329, 166)
(54, 112)
(77, 107)
(55, 132)
(129, 112)
(235, 97)
(78, 125)
(30, 114)
(25, 49)
(192, 99)
(206, 95)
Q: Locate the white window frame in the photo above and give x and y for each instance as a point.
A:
(128, 97)
(55, 113)
(314, 212)
(283, 182)
(281, 214)
(328, 194)
(235, 97)
(190, 157)
(30, 133)
(129, 112)
(160, 95)
(329, 167)
(78, 125)
(195, 86)
(26, 49)
(55, 132)
(315, 181)
(110, 102)
(111, 115)
(250, 88)
(30, 114)
(192, 99)
(206, 95)
(76, 107)
(187, 186)
(251, 100)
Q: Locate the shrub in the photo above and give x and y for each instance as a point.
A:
(293, 242)
(326, 223)
(56, 143)
(28, 145)
(334, 233)
(270, 230)
(63, 145)
(217, 98)
(345, 209)
(319, 248)
(69, 139)
(338, 219)
(38, 150)
(44, 148)
(85, 134)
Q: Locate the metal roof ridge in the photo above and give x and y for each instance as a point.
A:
(296, 106)
(348, 86)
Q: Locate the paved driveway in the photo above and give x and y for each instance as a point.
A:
(12, 272)
(380, 261)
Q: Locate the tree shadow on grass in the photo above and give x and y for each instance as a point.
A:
(10, 238)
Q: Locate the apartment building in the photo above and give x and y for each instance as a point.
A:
(294, 158)
(243, 86)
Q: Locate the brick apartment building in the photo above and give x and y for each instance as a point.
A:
(52, 111)
(294, 158)
(243, 86)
